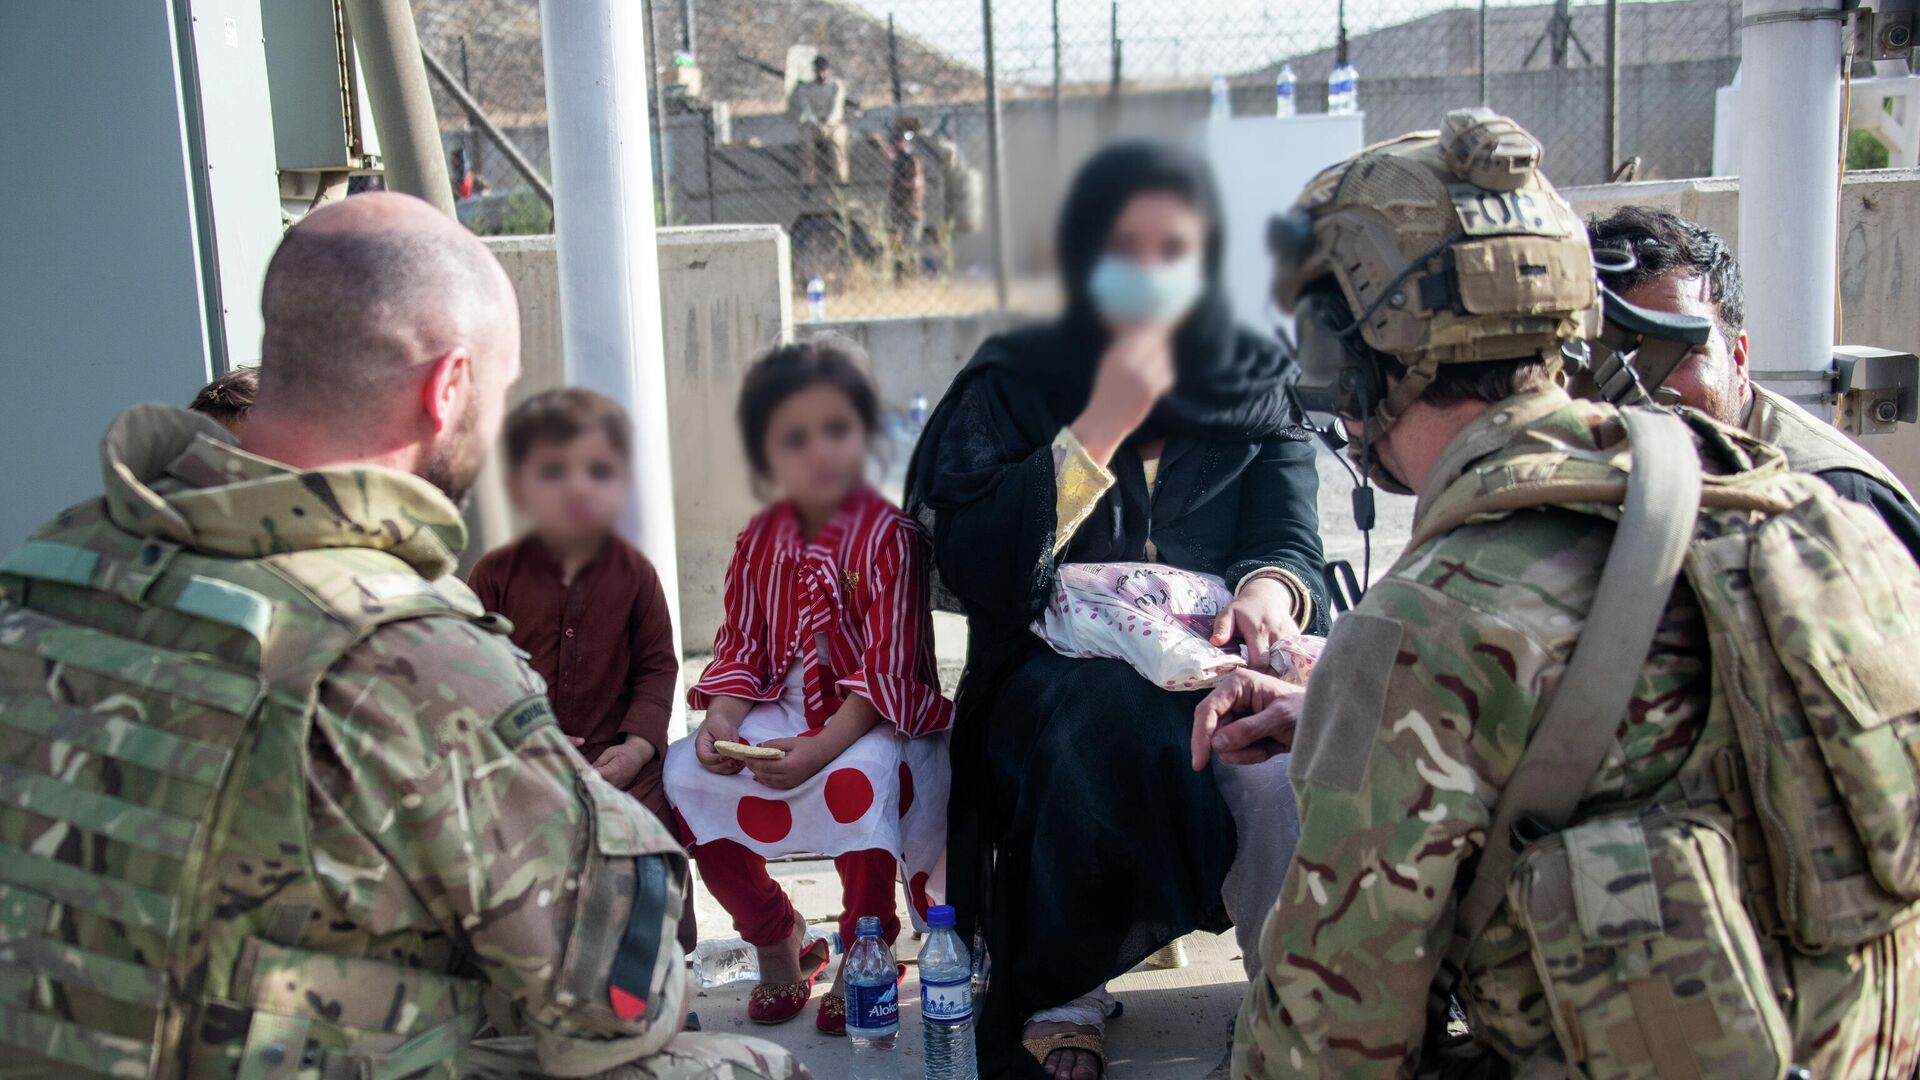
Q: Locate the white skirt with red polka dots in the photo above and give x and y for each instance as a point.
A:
(886, 791)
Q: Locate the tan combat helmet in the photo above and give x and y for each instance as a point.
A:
(1449, 246)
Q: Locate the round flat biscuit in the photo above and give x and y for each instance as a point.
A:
(743, 752)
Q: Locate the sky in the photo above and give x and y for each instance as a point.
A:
(1161, 39)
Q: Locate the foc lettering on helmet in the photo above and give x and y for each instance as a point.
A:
(1438, 247)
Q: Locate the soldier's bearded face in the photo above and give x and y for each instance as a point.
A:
(458, 455)
(1713, 377)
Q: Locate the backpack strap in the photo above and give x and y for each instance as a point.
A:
(1566, 749)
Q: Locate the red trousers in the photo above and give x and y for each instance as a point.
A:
(762, 914)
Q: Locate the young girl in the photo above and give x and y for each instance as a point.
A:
(825, 654)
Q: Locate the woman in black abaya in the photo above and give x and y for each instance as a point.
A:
(1142, 425)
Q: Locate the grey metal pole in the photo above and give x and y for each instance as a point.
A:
(662, 175)
(996, 177)
(1056, 75)
(485, 123)
(893, 66)
(1613, 89)
(688, 39)
(389, 48)
(1484, 99)
(1113, 39)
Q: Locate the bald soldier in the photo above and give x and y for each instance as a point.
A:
(1684, 268)
(277, 798)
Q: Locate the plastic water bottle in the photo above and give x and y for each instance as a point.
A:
(946, 1000)
(1222, 99)
(873, 1004)
(1343, 90)
(917, 411)
(1283, 87)
(817, 298)
(728, 961)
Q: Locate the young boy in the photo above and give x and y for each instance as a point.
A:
(229, 398)
(584, 602)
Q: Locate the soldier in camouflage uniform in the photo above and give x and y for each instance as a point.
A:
(1430, 689)
(277, 798)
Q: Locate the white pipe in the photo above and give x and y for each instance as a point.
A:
(609, 267)
(1789, 106)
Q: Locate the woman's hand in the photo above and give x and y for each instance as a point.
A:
(1135, 372)
(719, 726)
(1260, 615)
(1248, 718)
(805, 757)
(620, 763)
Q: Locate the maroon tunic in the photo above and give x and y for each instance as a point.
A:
(604, 644)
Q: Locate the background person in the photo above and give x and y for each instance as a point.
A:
(819, 108)
(1143, 425)
(1684, 268)
(826, 653)
(585, 604)
(342, 812)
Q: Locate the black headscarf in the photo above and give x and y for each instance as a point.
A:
(1230, 382)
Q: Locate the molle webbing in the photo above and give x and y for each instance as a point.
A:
(133, 679)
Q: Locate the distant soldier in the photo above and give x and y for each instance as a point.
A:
(277, 799)
(1619, 758)
(818, 106)
(1681, 267)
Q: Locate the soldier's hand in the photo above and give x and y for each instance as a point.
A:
(619, 764)
(1248, 718)
(717, 727)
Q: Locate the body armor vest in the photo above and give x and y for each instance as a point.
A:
(156, 864)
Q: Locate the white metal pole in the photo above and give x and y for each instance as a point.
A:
(1789, 107)
(595, 52)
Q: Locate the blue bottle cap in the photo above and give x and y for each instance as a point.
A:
(868, 926)
(940, 917)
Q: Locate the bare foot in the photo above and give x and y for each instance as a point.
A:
(781, 963)
(1067, 1064)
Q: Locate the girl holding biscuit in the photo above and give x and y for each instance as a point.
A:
(825, 726)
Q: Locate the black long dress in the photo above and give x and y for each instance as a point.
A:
(1079, 837)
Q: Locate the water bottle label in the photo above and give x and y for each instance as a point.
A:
(873, 1011)
(947, 1002)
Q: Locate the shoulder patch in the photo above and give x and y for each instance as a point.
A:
(523, 720)
(1340, 717)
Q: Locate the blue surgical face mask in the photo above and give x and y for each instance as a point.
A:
(1125, 291)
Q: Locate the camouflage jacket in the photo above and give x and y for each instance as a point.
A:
(1417, 716)
(281, 797)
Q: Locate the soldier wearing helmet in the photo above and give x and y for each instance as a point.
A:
(1438, 282)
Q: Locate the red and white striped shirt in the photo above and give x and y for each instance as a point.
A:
(851, 607)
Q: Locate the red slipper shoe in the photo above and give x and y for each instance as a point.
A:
(777, 1003)
(832, 1017)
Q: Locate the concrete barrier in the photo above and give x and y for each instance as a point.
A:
(1879, 262)
(725, 294)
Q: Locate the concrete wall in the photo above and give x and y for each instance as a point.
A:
(724, 296)
(916, 355)
(1879, 262)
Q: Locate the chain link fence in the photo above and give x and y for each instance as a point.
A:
(883, 175)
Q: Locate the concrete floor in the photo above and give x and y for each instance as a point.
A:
(1175, 1026)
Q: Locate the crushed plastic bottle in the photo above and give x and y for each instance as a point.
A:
(731, 961)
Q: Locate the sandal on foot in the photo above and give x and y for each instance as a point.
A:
(832, 1017)
(777, 1003)
(1045, 1046)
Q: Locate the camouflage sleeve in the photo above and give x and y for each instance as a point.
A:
(1413, 721)
(437, 746)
